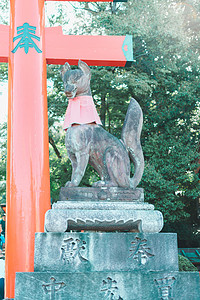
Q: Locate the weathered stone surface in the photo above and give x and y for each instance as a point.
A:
(101, 216)
(101, 193)
(78, 252)
(136, 285)
(102, 205)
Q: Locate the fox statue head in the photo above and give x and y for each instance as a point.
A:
(76, 82)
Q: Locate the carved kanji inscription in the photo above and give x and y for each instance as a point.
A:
(110, 289)
(165, 287)
(140, 251)
(52, 288)
(71, 250)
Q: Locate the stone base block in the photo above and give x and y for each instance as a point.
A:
(107, 285)
(79, 252)
(101, 194)
(103, 216)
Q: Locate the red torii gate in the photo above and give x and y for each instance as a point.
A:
(27, 46)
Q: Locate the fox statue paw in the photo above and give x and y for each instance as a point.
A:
(102, 183)
(70, 184)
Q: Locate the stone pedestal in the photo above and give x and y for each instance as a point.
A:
(136, 285)
(103, 209)
(78, 252)
(103, 265)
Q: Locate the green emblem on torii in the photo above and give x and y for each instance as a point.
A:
(26, 34)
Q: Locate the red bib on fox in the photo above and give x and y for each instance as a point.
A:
(81, 110)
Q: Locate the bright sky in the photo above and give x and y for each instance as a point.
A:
(3, 101)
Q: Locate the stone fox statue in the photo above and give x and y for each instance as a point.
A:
(90, 143)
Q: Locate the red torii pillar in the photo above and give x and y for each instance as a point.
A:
(28, 184)
(28, 188)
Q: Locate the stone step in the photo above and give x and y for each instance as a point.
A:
(137, 285)
(94, 251)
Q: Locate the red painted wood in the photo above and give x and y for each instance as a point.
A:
(94, 50)
(4, 44)
(28, 183)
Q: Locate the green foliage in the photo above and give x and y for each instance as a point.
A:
(3, 71)
(4, 10)
(3, 157)
(185, 265)
(164, 79)
(4, 19)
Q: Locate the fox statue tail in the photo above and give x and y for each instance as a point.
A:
(131, 132)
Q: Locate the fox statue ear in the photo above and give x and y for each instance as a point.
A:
(84, 67)
(64, 69)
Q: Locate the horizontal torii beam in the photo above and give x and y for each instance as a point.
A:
(94, 50)
(4, 45)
